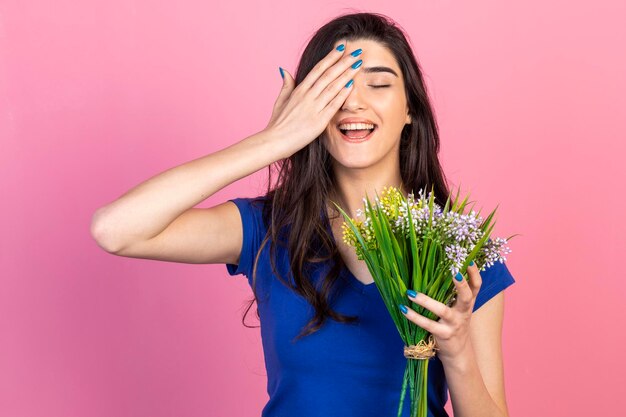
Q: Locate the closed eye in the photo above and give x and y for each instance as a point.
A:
(380, 86)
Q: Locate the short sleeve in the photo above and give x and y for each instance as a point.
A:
(495, 279)
(253, 233)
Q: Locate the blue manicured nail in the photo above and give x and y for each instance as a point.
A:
(458, 276)
(411, 293)
(341, 47)
(349, 83)
(357, 64)
(403, 308)
(471, 263)
(357, 52)
(281, 72)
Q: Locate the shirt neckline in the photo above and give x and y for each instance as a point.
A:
(352, 279)
(361, 286)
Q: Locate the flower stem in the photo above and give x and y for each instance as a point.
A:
(404, 382)
(419, 394)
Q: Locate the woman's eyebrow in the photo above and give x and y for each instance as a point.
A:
(371, 70)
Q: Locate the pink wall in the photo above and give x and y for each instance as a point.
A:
(96, 97)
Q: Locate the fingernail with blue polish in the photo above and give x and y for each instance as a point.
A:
(458, 276)
(357, 64)
(349, 83)
(341, 47)
(411, 293)
(357, 52)
(403, 308)
(281, 72)
(471, 263)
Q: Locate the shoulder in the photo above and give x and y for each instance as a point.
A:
(495, 278)
(253, 230)
(250, 207)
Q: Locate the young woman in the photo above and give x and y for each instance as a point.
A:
(355, 119)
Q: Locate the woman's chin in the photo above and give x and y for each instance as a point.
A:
(353, 160)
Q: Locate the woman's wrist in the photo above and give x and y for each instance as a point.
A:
(461, 362)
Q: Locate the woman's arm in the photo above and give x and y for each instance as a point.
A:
(476, 377)
(147, 209)
(299, 116)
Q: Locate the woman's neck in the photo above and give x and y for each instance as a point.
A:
(349, 196)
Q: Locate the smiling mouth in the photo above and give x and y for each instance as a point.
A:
(357, 135)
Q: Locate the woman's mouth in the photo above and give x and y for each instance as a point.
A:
(357, 136)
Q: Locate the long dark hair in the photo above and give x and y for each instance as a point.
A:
(305, 179)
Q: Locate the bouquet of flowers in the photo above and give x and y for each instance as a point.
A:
(408, 243)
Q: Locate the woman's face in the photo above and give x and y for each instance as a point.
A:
(385, 107)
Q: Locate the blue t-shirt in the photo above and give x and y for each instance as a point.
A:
(342, 369)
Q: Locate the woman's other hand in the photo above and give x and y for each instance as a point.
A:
(452, 330)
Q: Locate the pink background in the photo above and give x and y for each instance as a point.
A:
(96, 97)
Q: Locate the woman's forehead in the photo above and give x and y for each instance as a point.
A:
(375, 55)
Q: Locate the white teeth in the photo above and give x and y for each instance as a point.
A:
(356, 126)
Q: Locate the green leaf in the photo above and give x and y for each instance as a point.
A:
(430, 263)
(425, 245)
(417, 269)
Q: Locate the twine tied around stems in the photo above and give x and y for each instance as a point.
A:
(423, 350)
